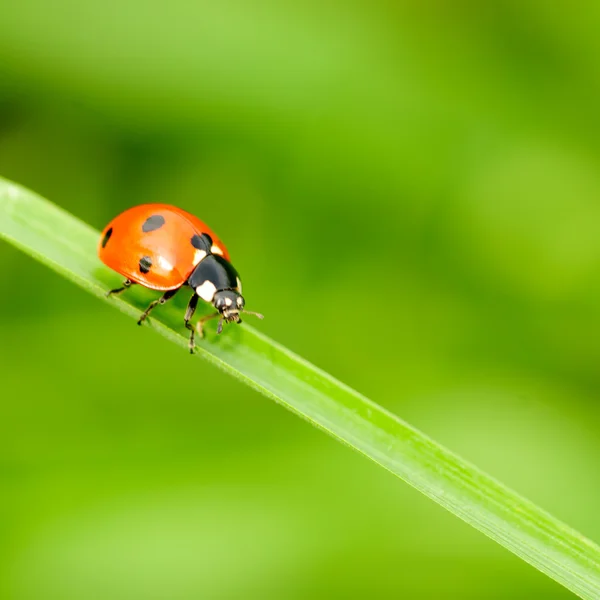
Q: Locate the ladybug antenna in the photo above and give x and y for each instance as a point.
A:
(220, 326)
(257, 315)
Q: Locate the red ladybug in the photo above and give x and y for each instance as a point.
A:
(162, 248)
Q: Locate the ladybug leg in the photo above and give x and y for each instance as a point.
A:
(200, 323)
(189, 313)
(127, 283)
(166, 296)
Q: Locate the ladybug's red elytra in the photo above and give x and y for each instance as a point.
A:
(163, 247)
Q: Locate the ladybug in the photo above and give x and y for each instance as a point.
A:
(163, 247)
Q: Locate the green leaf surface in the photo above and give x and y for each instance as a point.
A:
(68, 246)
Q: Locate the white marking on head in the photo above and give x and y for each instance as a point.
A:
(228, 302)
(216, 250)
(239, 284)
(198, 256)
(206, 291)
(163, 263)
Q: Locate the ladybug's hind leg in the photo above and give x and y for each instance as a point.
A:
(126, 284)
(166, 296)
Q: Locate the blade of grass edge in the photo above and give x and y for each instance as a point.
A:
(68, 246)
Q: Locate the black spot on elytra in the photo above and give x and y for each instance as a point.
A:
(145, 264)
(202, 242)
(107, 237)
(152, 223)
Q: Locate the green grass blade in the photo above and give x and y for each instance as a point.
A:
(68, 246)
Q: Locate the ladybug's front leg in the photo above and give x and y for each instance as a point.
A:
(166, 296)
(200, 323)
(189, 313)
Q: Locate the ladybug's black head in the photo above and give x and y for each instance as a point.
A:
(215, 280)
(230, 304)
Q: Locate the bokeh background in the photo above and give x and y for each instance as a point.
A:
(411, 191)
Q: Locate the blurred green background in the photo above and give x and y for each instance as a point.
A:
(411, 192)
